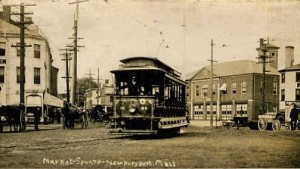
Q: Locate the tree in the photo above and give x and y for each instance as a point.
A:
(84, 84)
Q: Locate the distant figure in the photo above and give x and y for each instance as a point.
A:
(37, 116)
(294, 117)
(65, 111)
(72, 115)
(58, 115)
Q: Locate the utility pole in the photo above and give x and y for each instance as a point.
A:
(212, 82)
(67, 77)
(263, 56)
(90, 73)
(98, 87)
(22, 47)
(75, 48)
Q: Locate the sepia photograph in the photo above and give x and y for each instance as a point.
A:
(149, 84)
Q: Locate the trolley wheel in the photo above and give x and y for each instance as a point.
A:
(276, 125)
(262, 124)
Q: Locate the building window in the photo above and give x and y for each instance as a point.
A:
(214, 89)
(233, 87)
(37, 51)
(205, 90)
(282, 95)
(187, 91)
(198, 112)
(197, 90)
(297, 94)
(37, 75)
(19, 75)
(275, 87)
(244, 87)
(2, 48)
(1, 74)
(241, 109)
(297, 76)
(214, 109)
(226, 112)
(282, 77)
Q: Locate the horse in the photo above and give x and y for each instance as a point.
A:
(15, 117)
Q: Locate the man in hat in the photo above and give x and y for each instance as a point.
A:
(37, 116)
(294, 117)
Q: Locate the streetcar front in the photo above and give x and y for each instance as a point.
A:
(137, 92)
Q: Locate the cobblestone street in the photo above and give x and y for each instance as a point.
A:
(195, 147)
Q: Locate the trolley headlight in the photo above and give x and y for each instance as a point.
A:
(142, 101)
(122, 108)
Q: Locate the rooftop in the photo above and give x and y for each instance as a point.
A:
(232, 68)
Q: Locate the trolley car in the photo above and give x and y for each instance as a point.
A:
(150, 98)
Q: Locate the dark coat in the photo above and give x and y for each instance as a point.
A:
(294, 114)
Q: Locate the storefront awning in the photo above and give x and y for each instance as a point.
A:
(52, 100)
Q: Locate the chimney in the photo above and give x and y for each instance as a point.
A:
(5, 13)
(289, 56)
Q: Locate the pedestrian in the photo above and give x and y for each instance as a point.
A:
(72, 114)
(58, 115)
(37, 116)
(65, 111)
(294, 117)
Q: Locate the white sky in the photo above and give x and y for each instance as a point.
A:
(117, 29)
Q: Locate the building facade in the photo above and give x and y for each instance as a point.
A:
(101, 96)
(236, 90)
(289, 81)
(40, 75)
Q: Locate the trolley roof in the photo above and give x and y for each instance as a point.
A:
(139, 62)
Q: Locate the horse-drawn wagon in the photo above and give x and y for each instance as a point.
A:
(14, 117)
(98, 116)
(272, 120)
(74, 116)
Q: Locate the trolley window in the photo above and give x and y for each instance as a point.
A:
(138, 83)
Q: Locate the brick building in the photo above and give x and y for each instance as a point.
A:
(237, 89)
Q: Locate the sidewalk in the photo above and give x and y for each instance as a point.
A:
(30, 127)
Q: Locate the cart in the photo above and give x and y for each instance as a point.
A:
(237, 121)
(272, 119)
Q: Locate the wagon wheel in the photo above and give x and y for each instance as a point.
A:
(287, 126)
(262, 124)
(276, 125)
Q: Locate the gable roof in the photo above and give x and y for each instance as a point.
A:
(232, 68)
(292, 68)
(12, 29)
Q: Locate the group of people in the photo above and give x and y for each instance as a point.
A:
(69, 117)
